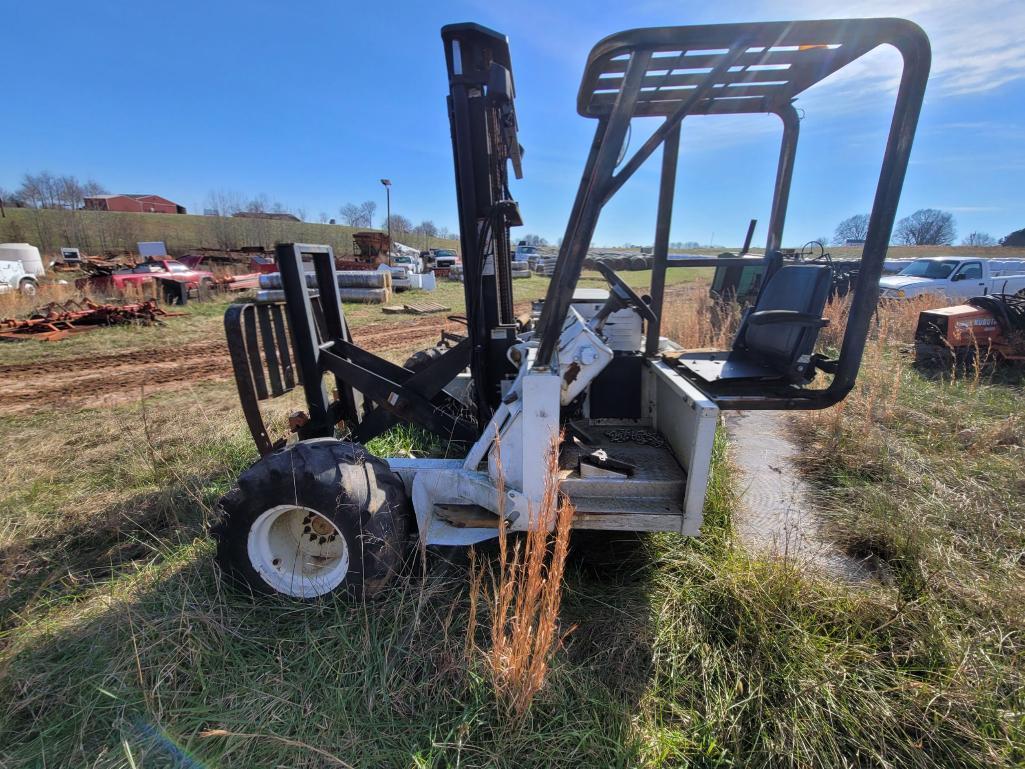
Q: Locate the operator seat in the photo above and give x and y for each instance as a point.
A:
(777, 336)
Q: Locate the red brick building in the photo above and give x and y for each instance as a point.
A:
(135, 204)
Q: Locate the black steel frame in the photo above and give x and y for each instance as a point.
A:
(829, 46)
(372, 393)
(484, 143)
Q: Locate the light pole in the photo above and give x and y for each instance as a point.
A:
(387, 192)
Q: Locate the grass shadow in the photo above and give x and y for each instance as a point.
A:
(63, 562)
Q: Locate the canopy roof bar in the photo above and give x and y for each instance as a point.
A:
(781, 60)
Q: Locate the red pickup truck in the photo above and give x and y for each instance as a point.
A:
(143, 275)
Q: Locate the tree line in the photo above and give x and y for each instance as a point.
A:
(46, 190)
(925, 227)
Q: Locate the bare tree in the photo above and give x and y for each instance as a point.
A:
(534, 240)
(852, 228)
(31, 191)
(352, 215)
(322, 217)
(69, 192)
(399, 226)
(227, 230)
(91, 188)
(979, 239)
(425, 231)
(224, 202)
(926, 227)
(369, 208)
(258, 205)
(12, 199)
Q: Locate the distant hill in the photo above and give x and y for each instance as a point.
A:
(96, 231)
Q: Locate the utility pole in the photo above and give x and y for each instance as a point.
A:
(387, 192)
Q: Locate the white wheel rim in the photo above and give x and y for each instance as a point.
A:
(298, 551)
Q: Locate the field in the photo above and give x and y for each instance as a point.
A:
(121, 647)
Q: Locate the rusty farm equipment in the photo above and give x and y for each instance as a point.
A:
(58, 320)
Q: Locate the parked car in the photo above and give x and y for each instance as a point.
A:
(145, 274)
(442, 258)
(525, 253)
(407, 262)
(14, 277)
(954, 277)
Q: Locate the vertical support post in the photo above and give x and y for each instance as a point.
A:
(750, 235)
(666, 193)
(590, 198)
(784, 175)
(917, 54)
(335, 326)
(304, 338)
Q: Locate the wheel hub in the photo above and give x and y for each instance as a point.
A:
(298, 551)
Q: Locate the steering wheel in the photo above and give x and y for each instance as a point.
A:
(622, 296)
(808, 249)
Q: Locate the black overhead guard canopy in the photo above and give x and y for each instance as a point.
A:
(735, 68)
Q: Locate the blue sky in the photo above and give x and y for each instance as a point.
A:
(313, 102)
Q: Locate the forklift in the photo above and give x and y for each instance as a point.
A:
(630, 414)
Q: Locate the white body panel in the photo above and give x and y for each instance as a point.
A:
(688, 420)
(28, 255)
(518, 463)
(11, 274)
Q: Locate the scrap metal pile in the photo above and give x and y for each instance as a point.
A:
(55, 321)
(107, 264)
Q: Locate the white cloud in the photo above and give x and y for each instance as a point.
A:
(975, 46)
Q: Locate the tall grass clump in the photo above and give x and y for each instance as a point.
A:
(695, 320)
(523, 593)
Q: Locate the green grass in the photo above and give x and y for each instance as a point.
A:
(121, 647)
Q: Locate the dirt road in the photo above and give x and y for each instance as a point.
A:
(104, 380)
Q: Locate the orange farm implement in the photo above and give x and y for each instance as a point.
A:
(55, 321)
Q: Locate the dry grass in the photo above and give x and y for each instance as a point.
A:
(696, 321)
(14, 304)
(922, 476)
(524, 598)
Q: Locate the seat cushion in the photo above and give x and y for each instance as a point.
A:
(799, 287)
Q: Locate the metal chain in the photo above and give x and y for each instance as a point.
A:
(643, 437)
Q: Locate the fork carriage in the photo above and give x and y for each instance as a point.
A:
(637, 412)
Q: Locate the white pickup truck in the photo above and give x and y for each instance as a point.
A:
(955, 277)
(13, 277)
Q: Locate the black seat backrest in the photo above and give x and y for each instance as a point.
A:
(787, 347)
